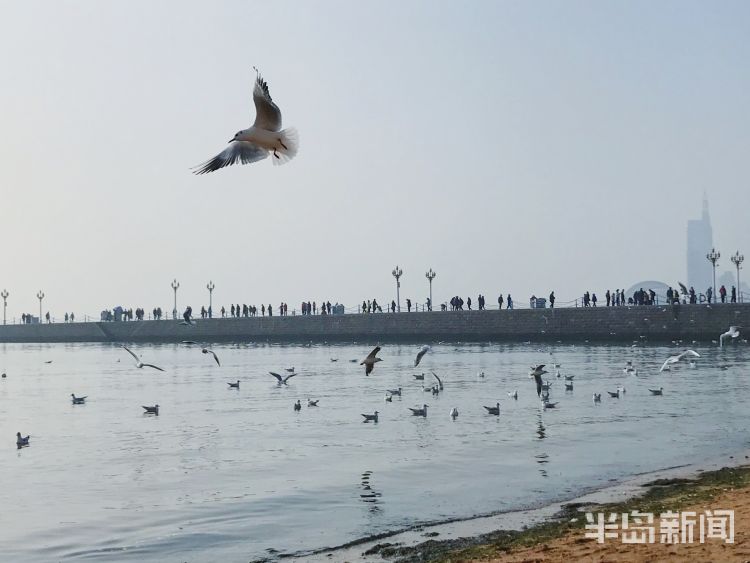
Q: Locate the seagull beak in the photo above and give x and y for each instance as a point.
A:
(230, 140)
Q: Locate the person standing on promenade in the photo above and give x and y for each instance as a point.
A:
(552, 300)
(47, 317)
(593, 299)
(500, 301)
(709, 294)
(608, 297)
(408, 305)
(270, 310)
(723, 294)
(733, 298)
(510, 302)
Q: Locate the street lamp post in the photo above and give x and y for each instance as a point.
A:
(713, 257)
(430, 275)
(210, 287)
(175, 286)
(4, 295)
(40, 296)
(737, 260)
(397, 273)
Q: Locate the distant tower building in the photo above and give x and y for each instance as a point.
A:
(699, 243)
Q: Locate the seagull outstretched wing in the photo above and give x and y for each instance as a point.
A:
(288, 377)
(244, 152)
(152, 366)
(267, 113)
(371, 355)
(420, 354)
(277, 376)
(440, 383)
(129, 351)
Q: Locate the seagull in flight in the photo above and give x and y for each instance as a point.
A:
(264, 138)
(370, 361)
(280, 379)
(674, 359)
(138, 362)
(208, 351)
(420, 354)
(733, 332)
(440, 383)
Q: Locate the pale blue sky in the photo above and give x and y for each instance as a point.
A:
(512, 146)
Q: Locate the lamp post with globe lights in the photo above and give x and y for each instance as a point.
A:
(737, 260)
(210, 287)
(430, 275)
(4, 295)
(40, 296)
(175, 286)
(713, 257)
(397, 273)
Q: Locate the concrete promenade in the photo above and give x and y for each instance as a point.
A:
(622, 324)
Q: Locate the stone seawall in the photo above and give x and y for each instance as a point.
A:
(660, 323)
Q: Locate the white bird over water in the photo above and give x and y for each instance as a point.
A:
(138, 362)
(733, 332)
(257, 142)
(209, 351)
(674, 359)
(420, 354)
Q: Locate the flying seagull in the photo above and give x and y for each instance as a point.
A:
(138, 362)
(538, 378)
(78, 400)
(257, 142)
(282, 380)
(674, 359)
(440, 383)
(733, 332)
(208, 351)
(420, 354)
(151, 410)
(370, 361)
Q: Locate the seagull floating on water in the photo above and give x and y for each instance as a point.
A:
(513, 394)
(548, 405)
(311, 403)
(569, 377)
(494, 410)
(234, 385)
(388, 398)
(419, 377)
(418, 411)
(78, 400)
(615, 394)
(597, 397)
(659, 391)
(454, 413)
(370, 361)
(674, 359)
(568, 386)
(207, 351)
(420, 354)
(733, 332)
(138, 362)
(289, 370)
(370, 417)
(151, 410)
(263, 138)
(480, 374)
(21, 441)
(394, 391)
(282, 380)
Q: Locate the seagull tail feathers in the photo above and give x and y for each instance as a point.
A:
(290, 140)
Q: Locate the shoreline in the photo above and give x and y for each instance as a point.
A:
(499, 535)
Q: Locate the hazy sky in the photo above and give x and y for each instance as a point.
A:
(512, 146)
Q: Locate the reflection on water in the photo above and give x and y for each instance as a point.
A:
(236, 474)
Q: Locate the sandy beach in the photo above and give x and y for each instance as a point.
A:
(727, 492)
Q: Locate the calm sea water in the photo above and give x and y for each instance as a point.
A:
(227, 475)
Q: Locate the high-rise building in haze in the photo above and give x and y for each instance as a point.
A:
(699, 243)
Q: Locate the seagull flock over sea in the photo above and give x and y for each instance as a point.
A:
(542, 386)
